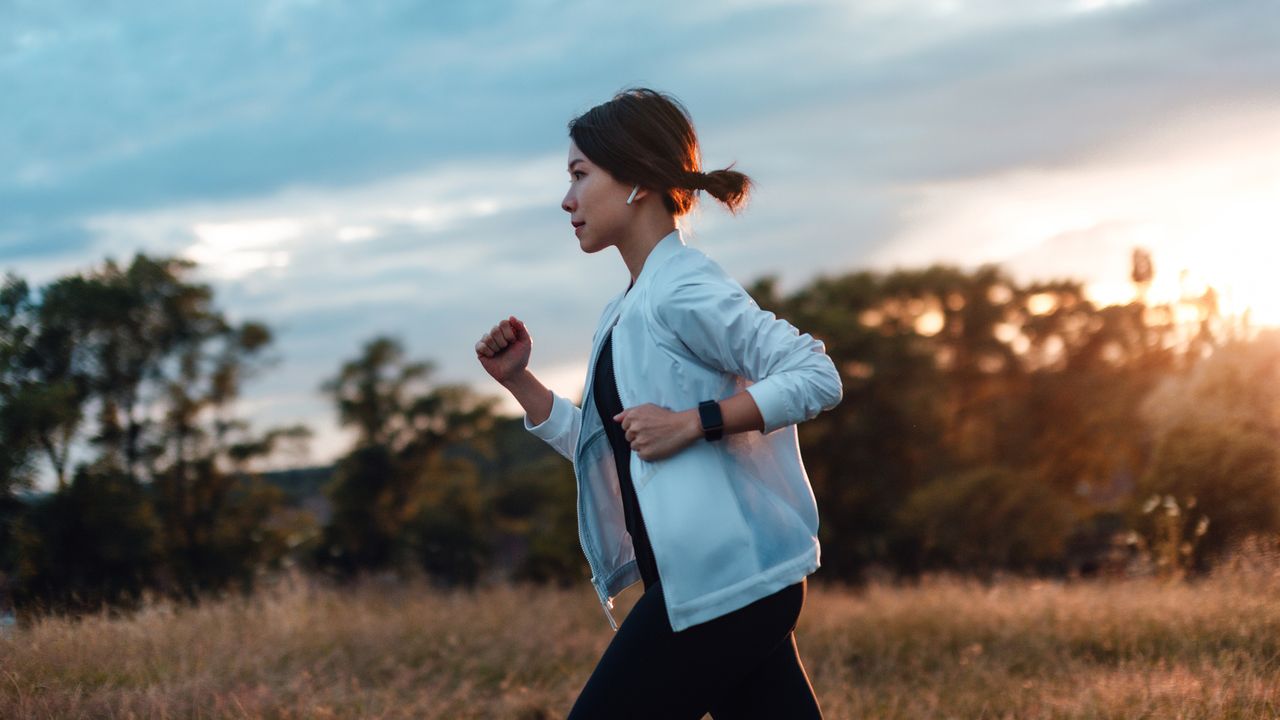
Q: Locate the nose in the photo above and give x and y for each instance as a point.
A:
(567, 203)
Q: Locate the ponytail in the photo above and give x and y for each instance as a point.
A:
(728, 186)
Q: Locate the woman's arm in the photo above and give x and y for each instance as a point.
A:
(656, 432)
(740, 414)
(532, 395)
(720, 324)
(549, 416)
(793, 379)
(560, 427)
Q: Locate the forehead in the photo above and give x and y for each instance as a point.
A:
(575, 155)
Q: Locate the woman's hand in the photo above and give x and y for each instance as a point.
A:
(504, 351)
(656, 432)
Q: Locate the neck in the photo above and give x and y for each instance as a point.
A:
(641, 238)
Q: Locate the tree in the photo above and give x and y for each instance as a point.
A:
(18, 438)
(451, 534)
(1216, 431)
(988, 518)
(145, 355)
(91, 543)
(390, 495)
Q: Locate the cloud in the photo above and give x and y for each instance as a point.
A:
(342, 169)
(440, 256)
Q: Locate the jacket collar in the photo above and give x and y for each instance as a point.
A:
(670, 244)
(666, 247)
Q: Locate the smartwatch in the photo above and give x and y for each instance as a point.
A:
(712, 420)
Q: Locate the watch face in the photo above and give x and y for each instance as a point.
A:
(712, 419)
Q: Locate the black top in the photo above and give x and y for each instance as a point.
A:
(608, 403)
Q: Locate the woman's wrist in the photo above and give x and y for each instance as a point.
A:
(692, 425)
(517, 379)
(740, 414)
(533, 396)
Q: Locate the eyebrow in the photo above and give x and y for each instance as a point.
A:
(574, 162)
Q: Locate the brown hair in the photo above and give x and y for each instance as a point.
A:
(645, 137)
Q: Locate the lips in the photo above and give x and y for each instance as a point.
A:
(579, 224)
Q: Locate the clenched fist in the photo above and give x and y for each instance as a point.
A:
(655, 432)
(504, 350)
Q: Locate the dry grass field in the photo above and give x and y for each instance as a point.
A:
(943, 648)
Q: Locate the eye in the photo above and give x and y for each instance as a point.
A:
(576, 173)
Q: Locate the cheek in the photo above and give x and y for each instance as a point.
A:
(603, 200)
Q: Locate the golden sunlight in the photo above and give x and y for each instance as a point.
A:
(1200, 194)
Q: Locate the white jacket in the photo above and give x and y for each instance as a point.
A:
(730, 521)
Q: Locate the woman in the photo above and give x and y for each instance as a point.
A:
(688, 469)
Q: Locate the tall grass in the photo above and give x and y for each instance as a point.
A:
(946, 647)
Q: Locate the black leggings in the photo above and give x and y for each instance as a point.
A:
(740, 665)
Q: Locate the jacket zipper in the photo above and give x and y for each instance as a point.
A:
(595, 580)
(605, 603)
(618, 387)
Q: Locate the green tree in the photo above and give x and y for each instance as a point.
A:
(144, 354)
(391, 499)
(18, 439)
(988, 518)
(947, 370)
(451, 535)
(535, 508)
(89, 544)
(1216, 430)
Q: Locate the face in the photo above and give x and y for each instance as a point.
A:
(596, 203)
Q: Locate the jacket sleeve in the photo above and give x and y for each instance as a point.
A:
(718, 321)
(560, 429)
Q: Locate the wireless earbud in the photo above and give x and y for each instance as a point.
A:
(634, 190)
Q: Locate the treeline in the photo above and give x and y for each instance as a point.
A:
(991, 425)
(136, 368)
(986, 425)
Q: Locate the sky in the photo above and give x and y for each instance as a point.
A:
(341, 170)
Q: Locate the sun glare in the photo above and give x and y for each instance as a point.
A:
(1200, 195)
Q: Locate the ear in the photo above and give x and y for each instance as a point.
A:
(637, 193)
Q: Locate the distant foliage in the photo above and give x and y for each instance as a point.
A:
(1230, 475)
(960, 384)
(94, 543)
(987, 424)
(452, 532)
(1216, 443)
(138, 365)
(989, 518)
(398, 503)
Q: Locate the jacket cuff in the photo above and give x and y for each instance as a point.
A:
(773, 402)
(557, 423)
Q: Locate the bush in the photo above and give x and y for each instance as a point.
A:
(1231, 471)
(93, 543)
(987, 518)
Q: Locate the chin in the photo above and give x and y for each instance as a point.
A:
(590, 247)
